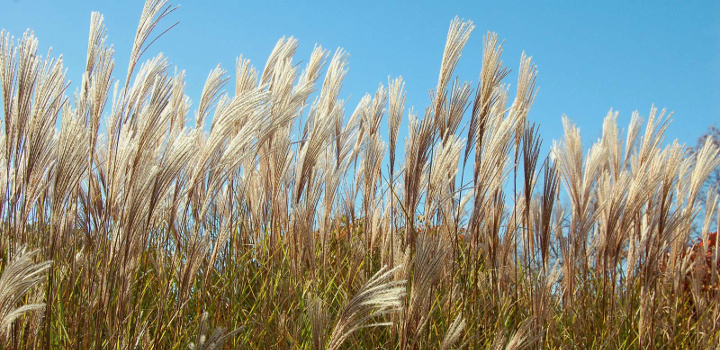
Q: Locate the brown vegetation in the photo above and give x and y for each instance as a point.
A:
(224, 228)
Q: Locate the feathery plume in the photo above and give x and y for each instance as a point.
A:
(20, 276)
(379, 296)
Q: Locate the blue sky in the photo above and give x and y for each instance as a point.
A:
(591, 56)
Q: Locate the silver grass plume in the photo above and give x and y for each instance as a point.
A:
(491, 159)
(525, 96)
(492, 73)
(153, 12)
(579, 179)
(246, 76)
(526, 336)
(426, 273)
(284, 50)
(318, 315)
(442, 177)
(457, 37)
(97, 78)
(417, 156)
(20, 276)
(71, 153)
(396, 109)
(214, 341)
(210, 95)
(378, 297)
(319, 126)
(453, 333)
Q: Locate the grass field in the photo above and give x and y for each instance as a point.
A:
(275, 216)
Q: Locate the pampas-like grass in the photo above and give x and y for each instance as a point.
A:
(19, 277)
(278, 211)
(379, 296)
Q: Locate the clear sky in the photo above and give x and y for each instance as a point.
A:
(591, 55)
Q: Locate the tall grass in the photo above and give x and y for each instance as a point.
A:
(223, 227)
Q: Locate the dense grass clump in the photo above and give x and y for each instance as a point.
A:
(140, 224)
